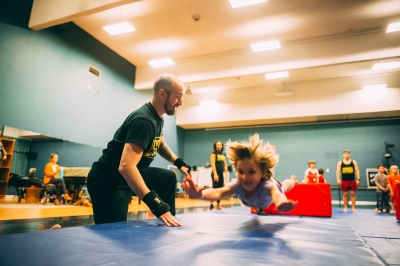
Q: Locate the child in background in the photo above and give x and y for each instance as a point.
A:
(311, 175)
(392, 181)
(380, 180)
(254, 163)
(321, 178)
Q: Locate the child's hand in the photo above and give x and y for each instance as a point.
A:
(190, 187)
(287, 206)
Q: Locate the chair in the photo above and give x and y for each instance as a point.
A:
(49, 190)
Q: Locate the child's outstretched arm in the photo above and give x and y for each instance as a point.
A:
(281, 202)
(208, 194)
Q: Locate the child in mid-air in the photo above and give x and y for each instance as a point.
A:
(254, 163)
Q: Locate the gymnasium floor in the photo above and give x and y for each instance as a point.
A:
(21, 218)
(231, 236)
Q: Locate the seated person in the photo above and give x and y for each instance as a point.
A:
(51, 176)
(321, 178)
(311, 175)
(32, 172)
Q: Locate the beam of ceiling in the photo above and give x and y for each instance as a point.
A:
(46, 13)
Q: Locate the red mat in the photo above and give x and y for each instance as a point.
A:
(313, 200)
(397, 200)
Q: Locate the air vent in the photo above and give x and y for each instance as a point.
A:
(94, 71)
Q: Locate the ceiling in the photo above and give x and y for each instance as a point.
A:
(320, 39)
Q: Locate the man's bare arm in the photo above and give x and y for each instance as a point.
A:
(131, 155)
(166, 152)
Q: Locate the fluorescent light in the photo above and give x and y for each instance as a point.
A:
(277, 75)
(263, 46)
(375, 87)
(240, 3)
(386, 65)
(373, 93)
(161, 62)
(393, 27)
(208, 102)
(119, 28)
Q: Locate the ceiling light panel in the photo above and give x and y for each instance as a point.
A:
(393, 27)
(263, 46)
(161, 62)
(375, 87)
(277, 75)
(119, 28)
(241, 3)
(382, 66)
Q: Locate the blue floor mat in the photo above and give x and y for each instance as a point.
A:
(228, 237)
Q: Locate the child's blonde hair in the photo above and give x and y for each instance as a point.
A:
(262, 154)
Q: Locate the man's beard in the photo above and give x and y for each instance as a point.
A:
(168, 111)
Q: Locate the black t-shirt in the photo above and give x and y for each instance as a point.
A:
(142, 127)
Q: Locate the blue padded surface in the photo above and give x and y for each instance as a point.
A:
(228, 237)
(367, 222)
(388, 249)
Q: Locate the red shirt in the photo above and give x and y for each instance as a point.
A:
(392, 180)
(312, 175)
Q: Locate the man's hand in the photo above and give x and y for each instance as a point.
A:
(185, 171)
(190, 187)
(169, 220)
(357, 182)
(339, 182)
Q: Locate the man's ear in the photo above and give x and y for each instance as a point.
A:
(161, 93)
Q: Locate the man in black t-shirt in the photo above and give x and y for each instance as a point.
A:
(124, 166)
(348, 170)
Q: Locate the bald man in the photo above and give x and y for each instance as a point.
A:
(124, 168)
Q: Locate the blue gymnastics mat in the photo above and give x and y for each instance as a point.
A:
(227, 237)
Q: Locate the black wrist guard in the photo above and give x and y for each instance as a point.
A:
(157, 206)
(179, 162)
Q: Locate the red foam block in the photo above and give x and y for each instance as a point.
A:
(397, 201)
(313, 200)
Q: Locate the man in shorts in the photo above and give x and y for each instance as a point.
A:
(348, 169)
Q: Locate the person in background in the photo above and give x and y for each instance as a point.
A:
(51, 176)
(219, 167)
(3, 153)
(350, 180)
(321, 178)
(392, 181)
(311, 176)
(382, 189)
(32, 172)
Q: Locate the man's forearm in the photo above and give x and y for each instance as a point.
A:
(167, 153)
(135, 180)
